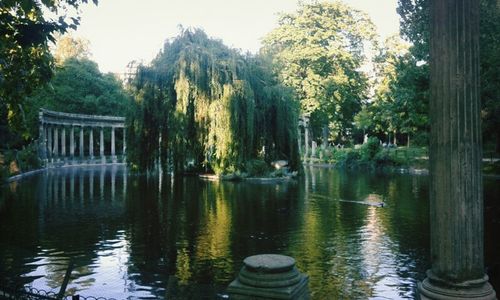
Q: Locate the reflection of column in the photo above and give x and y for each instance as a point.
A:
(63, 142)
(113, 156)
(63, 190)
(456, 202)
(56, 142)
(55, 184)
(101, 182)
(124, 182)
(91, 184)
(124, 144)
(101, 146)
(72, 142)
(113, 182)
(80, 183)
(72, 186)
(81, 142)
(91, 143)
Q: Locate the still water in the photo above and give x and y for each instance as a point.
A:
(127, 236)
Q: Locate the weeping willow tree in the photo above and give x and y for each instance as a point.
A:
(202, 106)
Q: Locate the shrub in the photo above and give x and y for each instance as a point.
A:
(370, 149)
(256, 167)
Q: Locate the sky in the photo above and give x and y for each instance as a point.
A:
(120, 31)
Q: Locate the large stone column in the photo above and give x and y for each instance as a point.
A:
(113, 154)
(306, 140)
(49, 140)
(91, 143)
(42, 139)
(56, 141)
(124, 152)
(72, 142)
(456, 203)
(101, 146)
(63, 142)
(81, 142)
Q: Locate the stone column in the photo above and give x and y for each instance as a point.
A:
(72, 142)
(299, 137)
(306, 140)
(113, 155)
(49, 140)
(91, 143)
(456, 203)
(63, 142)
(81, 142)
(124, 152)
(101, 145)
(56, 141)
(42, 143)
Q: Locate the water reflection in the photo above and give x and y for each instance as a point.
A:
(133, 236)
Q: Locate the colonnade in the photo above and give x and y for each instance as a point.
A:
(53, 130)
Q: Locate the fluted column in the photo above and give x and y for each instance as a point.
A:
(113, 154)
(42, 139)
(72, 142)
(306, 140)
(91, 143)
(456, 203)
(63, 142)
(49, 140)
(81, 142)
(124, 152)
(101, 145)
(56, 141)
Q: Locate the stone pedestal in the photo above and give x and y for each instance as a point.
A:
(456, 188)
(269, 276)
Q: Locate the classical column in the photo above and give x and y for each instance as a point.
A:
(101, 145)
(81, 142)
(299, 136)
(113, 155)
(456, 203)
(63, 141)
(56, 141)
(49, 140)
(124, 145)
(42, 138)
(72, 142)
(91, 143)
(306, 140)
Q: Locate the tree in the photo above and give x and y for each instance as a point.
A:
(318, 51)
(77, 87)
(401, 99)
(201, 105)
(71, 47)
(25, 59)
(415, 28)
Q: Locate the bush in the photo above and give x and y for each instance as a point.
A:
(370, 149)
(256, 167)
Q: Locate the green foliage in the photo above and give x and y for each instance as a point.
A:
(318, 51)
(211, 106)
(25, 59)
(257, 167)
(77, 87)
(370, 149)
(415, 20)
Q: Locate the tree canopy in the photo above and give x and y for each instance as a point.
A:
(202, 105)
(319, 52)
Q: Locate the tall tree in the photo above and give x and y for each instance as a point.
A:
(319, 51)
(25, 58)
(203, 105)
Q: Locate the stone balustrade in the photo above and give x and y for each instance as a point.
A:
(53, 142)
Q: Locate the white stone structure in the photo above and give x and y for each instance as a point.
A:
(52, 141)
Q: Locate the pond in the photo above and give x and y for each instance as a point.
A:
(127, 236)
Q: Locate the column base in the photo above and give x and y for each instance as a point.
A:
(433, 288)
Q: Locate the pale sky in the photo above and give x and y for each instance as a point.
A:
(120, 31)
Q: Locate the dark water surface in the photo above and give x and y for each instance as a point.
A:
(131, 237)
